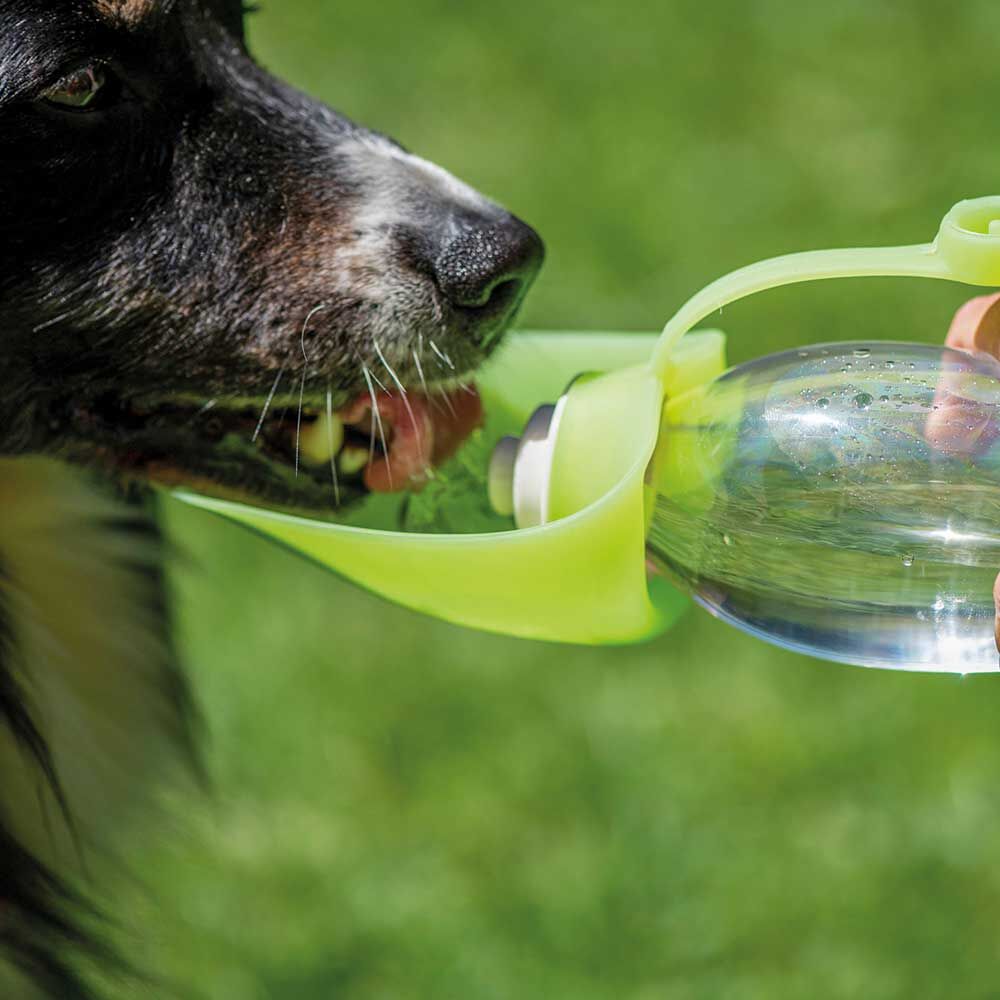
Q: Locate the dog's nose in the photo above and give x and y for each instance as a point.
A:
(487, 260)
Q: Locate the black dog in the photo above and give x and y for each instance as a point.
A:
(201, 272)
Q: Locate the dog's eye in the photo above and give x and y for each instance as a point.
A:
(85, 89)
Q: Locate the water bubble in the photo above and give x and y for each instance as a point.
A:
(913, 364)
(862, 352)
(803, 354)
(863, 400)
(883, 399)
(822, 402)
(908, 560)
(889, 364)
(938, 605)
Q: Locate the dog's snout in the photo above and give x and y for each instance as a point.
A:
(487, 259)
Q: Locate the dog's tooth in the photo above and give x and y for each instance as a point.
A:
(321, 439)
(352, 460)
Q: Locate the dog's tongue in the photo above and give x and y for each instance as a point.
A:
(420, 431)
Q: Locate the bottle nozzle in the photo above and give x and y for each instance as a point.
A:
(520, 468)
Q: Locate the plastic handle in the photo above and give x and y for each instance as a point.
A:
(967, 249)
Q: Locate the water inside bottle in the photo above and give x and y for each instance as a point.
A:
(842, 501)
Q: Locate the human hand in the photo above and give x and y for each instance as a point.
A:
(975, 327)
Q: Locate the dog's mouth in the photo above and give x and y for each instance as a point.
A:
(295, 453)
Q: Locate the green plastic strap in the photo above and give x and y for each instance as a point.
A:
(580, 579)
(967, 249)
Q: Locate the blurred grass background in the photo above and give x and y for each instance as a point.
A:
(407, 809)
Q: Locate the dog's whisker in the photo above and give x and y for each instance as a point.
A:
(447, 403)
(376, 423)
(444, 357)
(302, 383)
(267, 402)
(298, 422)
(305, 325)
(406, 399)
(423, 382)
(202, 410)
(420, 373)
(329, 439)
(388, 367)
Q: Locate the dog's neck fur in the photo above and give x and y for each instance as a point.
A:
(89, 690)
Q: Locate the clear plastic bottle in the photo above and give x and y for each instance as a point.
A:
(841, 500)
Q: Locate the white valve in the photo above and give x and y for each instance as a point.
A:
(521, 468)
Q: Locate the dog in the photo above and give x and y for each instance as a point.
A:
(207, 280)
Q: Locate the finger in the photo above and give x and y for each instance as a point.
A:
(976, 326)
(996, 604)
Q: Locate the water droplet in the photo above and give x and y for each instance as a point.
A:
(938, 605)
(803, 354)
(883, 399)
(913, 364)
(822, 402)
(862, 352)
(908, 560)
(726, 540)
(889, 364)
(863, 400)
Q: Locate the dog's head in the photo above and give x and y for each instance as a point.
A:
(198, 264)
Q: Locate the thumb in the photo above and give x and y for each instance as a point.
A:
(976, 326)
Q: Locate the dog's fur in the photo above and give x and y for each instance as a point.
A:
(198, 244)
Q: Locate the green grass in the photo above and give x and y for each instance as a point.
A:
(407, 809)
